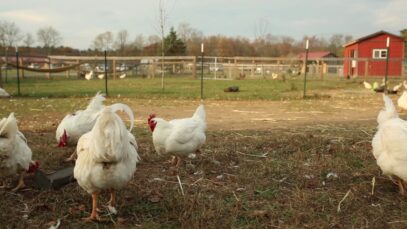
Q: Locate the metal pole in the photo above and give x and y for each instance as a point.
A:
(106, 74)
(387, 64)
(305, 70)
(18, 73)
(202, 70)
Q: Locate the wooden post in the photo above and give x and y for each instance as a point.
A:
(235, 68)
(78, 68)
(194, 67)
(252, 69)
(114, 68)
(21, 70)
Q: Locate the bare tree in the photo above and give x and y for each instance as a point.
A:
(261, 28)
(162, 21)
(121, 42)
(139, 42)
(103, 41)
(9, 34)
(49, 38)
(28, 40)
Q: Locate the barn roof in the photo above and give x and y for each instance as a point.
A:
(316, 55)
(370, 36)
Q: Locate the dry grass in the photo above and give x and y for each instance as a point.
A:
(245, 179)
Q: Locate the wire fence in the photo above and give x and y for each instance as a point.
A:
(60, 68)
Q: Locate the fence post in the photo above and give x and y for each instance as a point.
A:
(387, 64)
(18, 73)
(106, 74)
(305, 70)
(202, 69)
(194, 67)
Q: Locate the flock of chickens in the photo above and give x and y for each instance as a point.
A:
(89, 75)
(106, 149)
(401, 101)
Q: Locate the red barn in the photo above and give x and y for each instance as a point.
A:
(366, 56)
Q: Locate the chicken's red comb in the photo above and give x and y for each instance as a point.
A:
(151, 116)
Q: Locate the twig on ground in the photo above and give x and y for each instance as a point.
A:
(234, 194)
(397, 221)
(180, 185)
(340, 202)
(373, 185)
(253, 155)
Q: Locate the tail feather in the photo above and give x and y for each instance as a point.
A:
(126, 109)
(388, 112)
(97, 102)
(200, 113)
(8, 127)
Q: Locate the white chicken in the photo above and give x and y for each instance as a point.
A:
(101, 76)
(405, 84)
(179, 137)
(107, 156)
(73, 126)
(3, 93)
(122, 76)
(367, 85)
(15, 155)
(390, 144)
(89, 75)
(402, 101)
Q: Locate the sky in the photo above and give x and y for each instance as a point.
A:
(80, 21)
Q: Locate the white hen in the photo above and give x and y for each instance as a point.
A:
(179, 137)
(101, 76)
(402, 101)
(122, 76)
(4, 93)
(73, 126)
(367, 85)
(107, 156)
(390, 143)
(89, 75)
(15, 155)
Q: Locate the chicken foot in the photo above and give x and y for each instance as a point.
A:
(112, 201)
(94, 215)
(21, 183)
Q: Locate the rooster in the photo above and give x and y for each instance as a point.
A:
(15, 155)
(179, 137)
(390, 144)
(107, 156)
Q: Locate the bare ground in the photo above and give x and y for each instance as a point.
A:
(266, 164)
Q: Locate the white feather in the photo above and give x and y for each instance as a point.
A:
(402, 101)
(89, 75)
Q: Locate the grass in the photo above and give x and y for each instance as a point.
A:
(177, 88)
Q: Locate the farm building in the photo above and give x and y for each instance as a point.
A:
(321, 63)
(367, 55)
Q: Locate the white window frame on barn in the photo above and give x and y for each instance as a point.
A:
(379, 53)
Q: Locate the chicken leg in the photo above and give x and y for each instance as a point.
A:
(21, 183)
(94, 215)
(112, 201)
(72, 157)
(401, 187)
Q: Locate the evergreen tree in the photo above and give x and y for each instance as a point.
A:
(173, 44)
